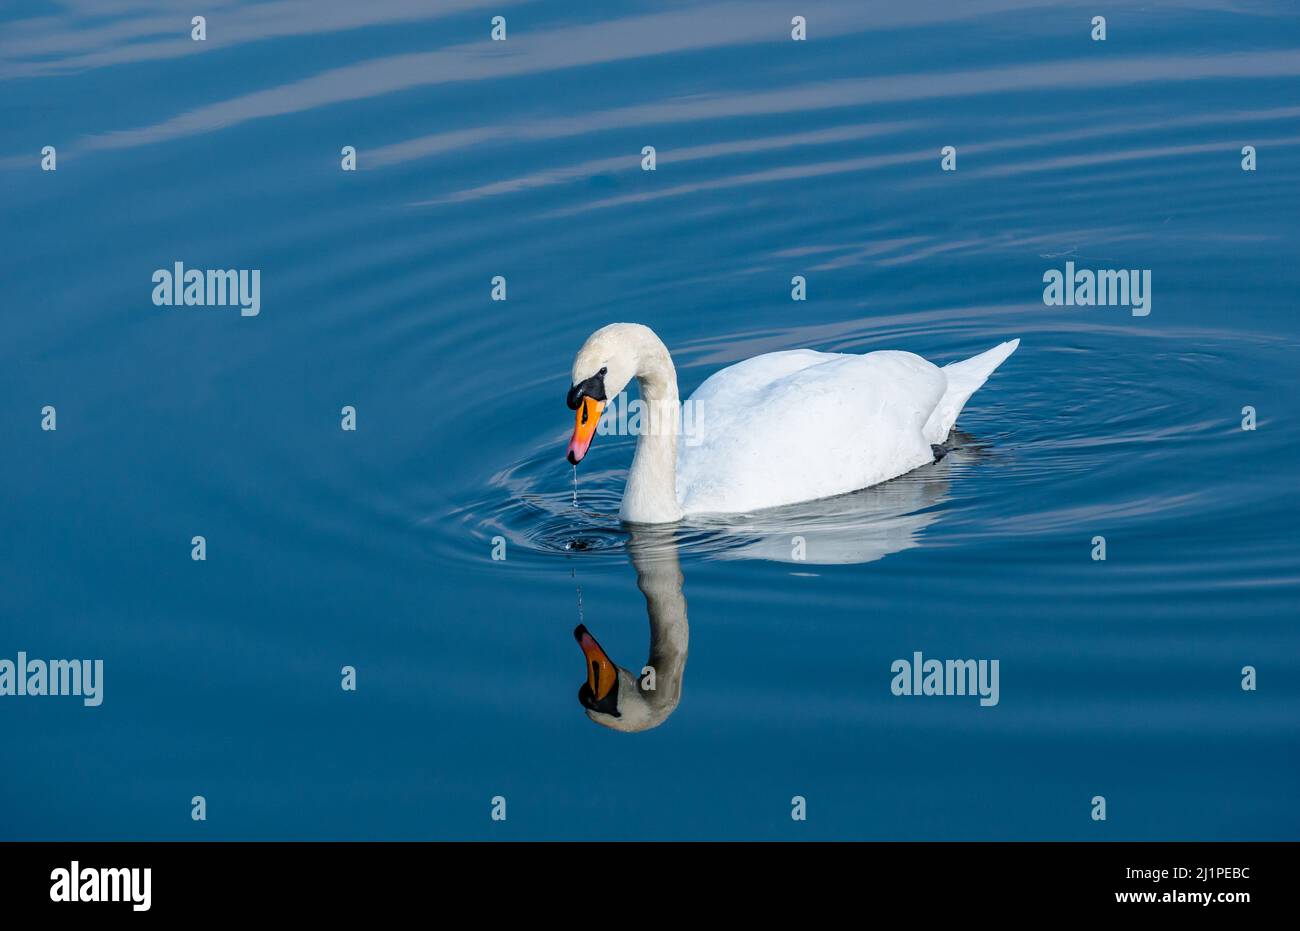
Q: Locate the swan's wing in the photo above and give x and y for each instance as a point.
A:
(803, 425)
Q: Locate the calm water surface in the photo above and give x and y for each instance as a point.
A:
(373, 549)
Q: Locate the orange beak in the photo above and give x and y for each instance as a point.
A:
(584, 428)
(601, 671)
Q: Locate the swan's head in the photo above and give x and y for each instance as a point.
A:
(613, 696)
(604, 365)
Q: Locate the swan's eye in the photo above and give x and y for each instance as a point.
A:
(602, 371)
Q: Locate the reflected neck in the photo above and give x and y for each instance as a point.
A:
(659, 576)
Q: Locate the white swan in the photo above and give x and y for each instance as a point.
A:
(776, 429)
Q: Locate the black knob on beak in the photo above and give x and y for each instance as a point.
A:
(593, 387)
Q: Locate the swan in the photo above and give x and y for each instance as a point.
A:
(775, 429)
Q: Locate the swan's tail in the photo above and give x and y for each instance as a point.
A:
(964, 379)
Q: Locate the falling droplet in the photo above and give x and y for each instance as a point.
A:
(575, 486)
(579, 588)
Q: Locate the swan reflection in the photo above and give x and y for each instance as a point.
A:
(861, 527)
(614, 696)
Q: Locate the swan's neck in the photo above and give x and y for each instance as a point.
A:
(651, 493)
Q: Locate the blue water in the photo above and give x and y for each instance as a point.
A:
(325, 548)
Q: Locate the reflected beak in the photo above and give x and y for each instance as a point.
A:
(584, 429)
(601, 671)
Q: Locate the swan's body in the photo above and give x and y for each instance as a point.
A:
(775, 429)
